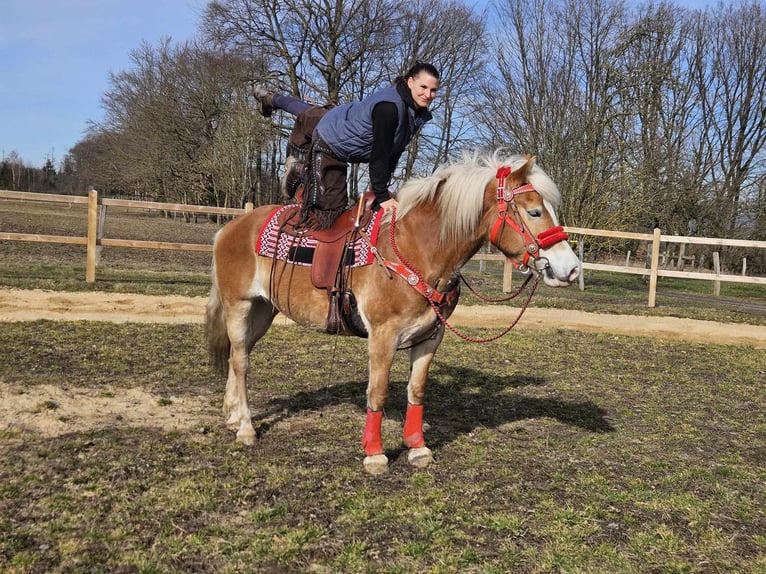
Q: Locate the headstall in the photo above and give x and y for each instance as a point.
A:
(505, 198)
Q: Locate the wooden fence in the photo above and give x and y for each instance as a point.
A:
(95, 241)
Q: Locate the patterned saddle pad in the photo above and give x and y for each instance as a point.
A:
(276, 242)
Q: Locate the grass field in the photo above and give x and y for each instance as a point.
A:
(557, 451)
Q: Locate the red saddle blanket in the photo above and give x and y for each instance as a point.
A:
(276, 242)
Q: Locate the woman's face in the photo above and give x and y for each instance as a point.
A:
(423, 88)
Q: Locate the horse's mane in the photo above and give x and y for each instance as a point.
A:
(461, 185)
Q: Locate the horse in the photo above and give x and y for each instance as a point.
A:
(402, 301)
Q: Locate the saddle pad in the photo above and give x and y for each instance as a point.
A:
(278, 244)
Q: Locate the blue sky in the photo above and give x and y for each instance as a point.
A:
(56, 58)
(57, 55)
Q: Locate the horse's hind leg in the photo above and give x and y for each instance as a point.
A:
(421, 357)
(246, 322)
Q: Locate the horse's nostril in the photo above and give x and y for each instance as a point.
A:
(574, 274)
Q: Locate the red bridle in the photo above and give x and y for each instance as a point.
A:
(544, 239)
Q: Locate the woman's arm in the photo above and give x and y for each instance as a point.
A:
(385, 118)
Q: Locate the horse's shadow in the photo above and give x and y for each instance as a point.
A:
(458, 401)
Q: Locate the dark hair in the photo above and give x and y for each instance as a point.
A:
(418, 67)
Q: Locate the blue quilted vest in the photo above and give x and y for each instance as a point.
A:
(347, 129)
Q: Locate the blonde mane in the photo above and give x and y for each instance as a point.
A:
(461, 186)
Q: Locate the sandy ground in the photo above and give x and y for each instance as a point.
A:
(28, 305)
(51, 410)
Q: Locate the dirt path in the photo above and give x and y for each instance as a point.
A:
(28, 305)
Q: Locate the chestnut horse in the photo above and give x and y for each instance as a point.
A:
(441, 222)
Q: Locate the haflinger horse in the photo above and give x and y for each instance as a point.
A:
(402, 301)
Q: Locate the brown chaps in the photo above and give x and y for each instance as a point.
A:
(324, 176)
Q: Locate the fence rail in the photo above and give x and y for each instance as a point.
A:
(94, 240)
(655, 271)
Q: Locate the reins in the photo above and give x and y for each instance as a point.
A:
(513, 295)
(414, 278)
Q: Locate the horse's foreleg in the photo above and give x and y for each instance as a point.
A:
(382, 350)
(421, 357)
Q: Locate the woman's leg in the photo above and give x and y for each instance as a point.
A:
(291, 105)
(270, 101)
(324, 197)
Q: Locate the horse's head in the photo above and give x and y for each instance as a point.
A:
(509, 201)
(520, 202)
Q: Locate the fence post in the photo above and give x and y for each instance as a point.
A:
(248, 207)
(91, 253)
(100, 233)
(581, 251)
(717, 271)
(507, 276)
(681, 255)
(654, 267)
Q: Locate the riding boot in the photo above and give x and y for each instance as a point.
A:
(265, 98)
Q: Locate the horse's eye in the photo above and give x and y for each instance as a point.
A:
(537, 212)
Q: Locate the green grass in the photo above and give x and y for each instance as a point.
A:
(576, 452)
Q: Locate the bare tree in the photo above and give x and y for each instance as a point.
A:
(163, 126)
(656, 131)
(312, 48)
(13, 168)
(731, 79)
(452, 37)
(554, 95)
(647, 117)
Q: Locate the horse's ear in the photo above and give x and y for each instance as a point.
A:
(529, 162)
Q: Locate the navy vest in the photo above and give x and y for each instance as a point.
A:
(347, 129)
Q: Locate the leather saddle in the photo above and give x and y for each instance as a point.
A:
(330, 255)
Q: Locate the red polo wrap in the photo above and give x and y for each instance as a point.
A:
(413, 426)
(371, 440)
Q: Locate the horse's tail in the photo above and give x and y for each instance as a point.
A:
(216, 336)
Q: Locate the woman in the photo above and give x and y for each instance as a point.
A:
(375, 130)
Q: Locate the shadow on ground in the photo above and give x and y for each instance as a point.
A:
(459, 401)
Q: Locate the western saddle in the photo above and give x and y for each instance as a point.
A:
(329, 260)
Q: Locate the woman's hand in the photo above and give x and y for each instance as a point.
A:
(389, 205)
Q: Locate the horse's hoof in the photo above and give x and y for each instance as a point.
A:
(420, 457)
(376, 464)
(246, 437)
